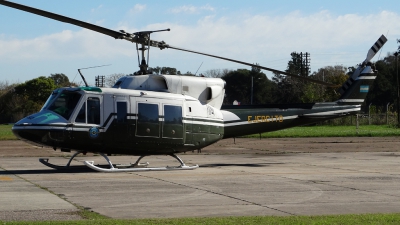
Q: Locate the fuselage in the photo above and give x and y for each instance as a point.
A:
(134, 122)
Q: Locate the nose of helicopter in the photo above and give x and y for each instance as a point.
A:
(36, 127)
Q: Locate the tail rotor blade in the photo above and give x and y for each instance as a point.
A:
(375, 48)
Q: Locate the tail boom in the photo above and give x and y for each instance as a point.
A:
(243, 120)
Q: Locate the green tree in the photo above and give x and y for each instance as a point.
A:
(9, 103)
(60, 80)
(34, 93)
(398, 42)
(238, 87)
(217, 73)
(165, 70)
(155, 70)
(290, 89)
(384, 89)
(168, 70)
(295, 64)
(319, 93)
(113, 78)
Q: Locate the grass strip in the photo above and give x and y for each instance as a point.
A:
(365, 219)
(6, 133)
(332, 131)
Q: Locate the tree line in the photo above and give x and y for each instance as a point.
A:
(19, 100)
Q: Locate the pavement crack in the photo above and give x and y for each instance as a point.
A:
(82, 211)
(216, 193)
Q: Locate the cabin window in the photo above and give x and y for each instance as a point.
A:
(147, 121)
(172, 127)
(172, 114)
(93, 110)
(122, 112)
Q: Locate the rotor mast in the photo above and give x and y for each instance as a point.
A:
(142, 38)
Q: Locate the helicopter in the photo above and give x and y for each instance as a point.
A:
(147, 114)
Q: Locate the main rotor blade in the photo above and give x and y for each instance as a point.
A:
(112, 33)
(257, 66)
(136, 39)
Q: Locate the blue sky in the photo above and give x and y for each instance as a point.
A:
(264, 32)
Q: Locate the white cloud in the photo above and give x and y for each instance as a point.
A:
(191, 9)
(267, 40)
(64, 45)
(262, 38)
(137, 8)
(96, 9)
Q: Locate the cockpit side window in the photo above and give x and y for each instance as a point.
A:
(65, 103)
(81, 117)
(91, 114)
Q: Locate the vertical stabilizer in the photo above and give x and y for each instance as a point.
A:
(355, 89)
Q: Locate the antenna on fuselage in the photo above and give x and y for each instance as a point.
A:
(83, 78)
(198, 68)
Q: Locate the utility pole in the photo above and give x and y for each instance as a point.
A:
(307, 67)
(398, 89)
(251, 100)
(301, 63)
(99, 81)
(305, 64)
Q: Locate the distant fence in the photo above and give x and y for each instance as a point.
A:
(372, 115)
(364, 119)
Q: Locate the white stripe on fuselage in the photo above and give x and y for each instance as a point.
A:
(213, 122)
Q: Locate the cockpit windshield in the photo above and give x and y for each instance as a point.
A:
(64, 103)
(51, 98)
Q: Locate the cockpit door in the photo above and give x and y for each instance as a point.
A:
(88, 120)
(90, 111)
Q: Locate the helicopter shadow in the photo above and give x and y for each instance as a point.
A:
(77, 169)
(211, 165)
(84, 169)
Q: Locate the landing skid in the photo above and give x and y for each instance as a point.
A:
(45, 161)
(136, 167)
